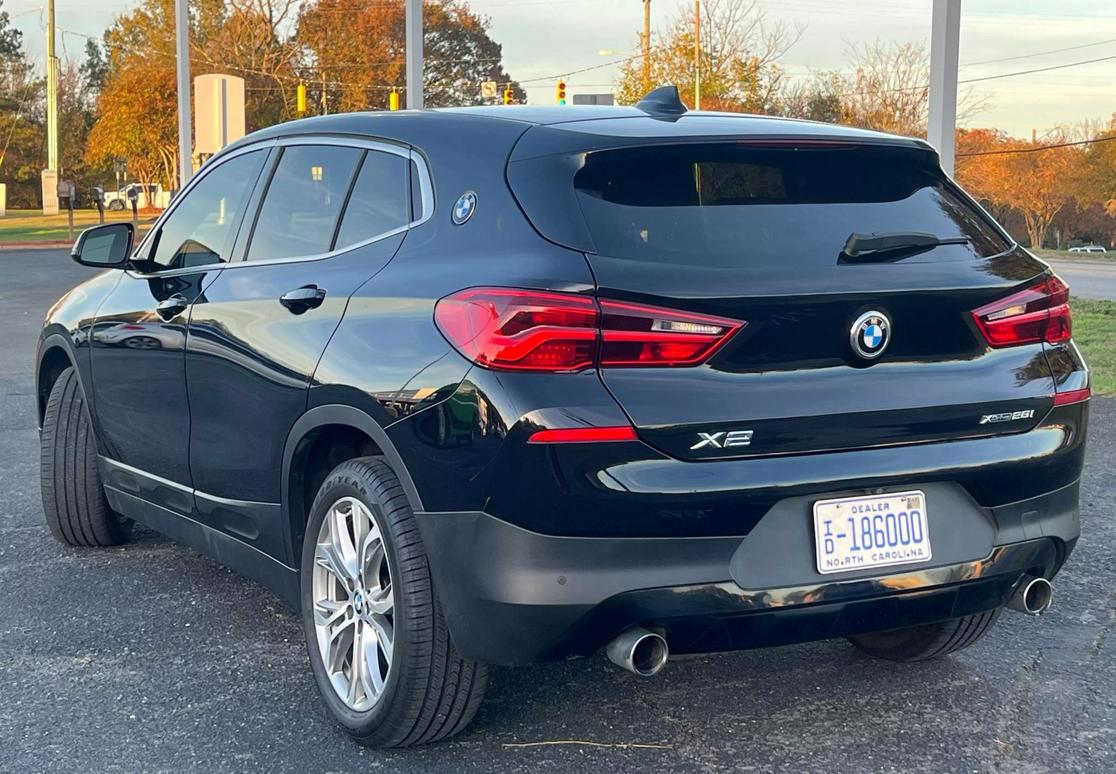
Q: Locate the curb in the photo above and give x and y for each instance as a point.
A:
(53, 245)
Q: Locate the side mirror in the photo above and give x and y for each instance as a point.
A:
(104, 247)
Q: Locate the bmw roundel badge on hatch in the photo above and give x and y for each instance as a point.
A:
(870, 334)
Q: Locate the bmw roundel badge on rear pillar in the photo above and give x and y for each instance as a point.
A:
(870, 334)
(464, 207)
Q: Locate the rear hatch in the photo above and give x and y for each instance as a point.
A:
(833, 353)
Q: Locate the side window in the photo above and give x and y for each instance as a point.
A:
(379, 201)
(303, 201)
(198, 232)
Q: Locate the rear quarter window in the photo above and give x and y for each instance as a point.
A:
(380, 200)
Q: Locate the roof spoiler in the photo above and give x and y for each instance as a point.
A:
(662, 102)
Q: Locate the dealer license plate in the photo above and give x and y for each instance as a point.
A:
(856, 533)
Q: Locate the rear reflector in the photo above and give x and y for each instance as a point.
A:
(535, 330)
(584, 435)
(1073, 396)
(1038, 313)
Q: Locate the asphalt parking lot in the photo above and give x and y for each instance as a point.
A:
(149, 657)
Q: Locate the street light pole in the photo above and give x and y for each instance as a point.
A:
(413, 34)
(697, 54)
(182, 54)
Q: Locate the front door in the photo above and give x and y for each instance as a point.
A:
(138, 341)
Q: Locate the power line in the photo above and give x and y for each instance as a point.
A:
(1039, 149)
(1039, 53)
(1039, 69)
(982, 78)
(582, 70)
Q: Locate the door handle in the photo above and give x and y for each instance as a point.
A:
(172, 307)
(301, 299)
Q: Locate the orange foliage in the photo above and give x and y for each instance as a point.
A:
(1035, 179)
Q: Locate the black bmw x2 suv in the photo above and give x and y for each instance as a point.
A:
(501, 385)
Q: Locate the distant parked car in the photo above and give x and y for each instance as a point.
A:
(1088, 249)
(148, 195)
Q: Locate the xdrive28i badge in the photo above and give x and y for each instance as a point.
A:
(870, 334)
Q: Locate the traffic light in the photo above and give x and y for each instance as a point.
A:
(509, 96)
(300, 98)
(560, 93)
(393, 100)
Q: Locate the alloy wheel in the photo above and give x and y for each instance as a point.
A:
(353, 603)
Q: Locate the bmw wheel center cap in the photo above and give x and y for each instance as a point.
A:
(870, 334)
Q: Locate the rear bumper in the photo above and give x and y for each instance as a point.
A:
(515, 596)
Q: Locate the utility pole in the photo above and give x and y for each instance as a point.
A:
(52, 92)
(646, 46)
(50, 174)
(413, 34)
(182, 54)
(697, 54)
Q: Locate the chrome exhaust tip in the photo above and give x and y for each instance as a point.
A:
(1032, 596)
(639, 651)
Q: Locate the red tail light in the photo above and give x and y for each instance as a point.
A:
(584, 435)
(534, 330)
(1038, 313)
(1073, 396)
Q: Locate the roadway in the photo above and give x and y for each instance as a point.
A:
(1089, 279)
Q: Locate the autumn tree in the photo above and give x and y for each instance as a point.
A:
(738, 59)
(1099, 166)
(22, 136)
(353, 56)
(137, 121)
(1037, 180)
(136, 111)
(1045, 179)
(1081, 222)
(253, 41)
(817, 98)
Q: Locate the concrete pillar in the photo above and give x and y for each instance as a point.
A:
(414, 54)
(945, 41)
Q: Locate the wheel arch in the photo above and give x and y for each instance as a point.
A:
(338, 420)
(55, 357)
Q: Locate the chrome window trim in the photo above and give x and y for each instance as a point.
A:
(426, 191)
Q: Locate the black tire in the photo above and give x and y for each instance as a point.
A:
(431, 692)
(116, 205)
(921, 643)
(74, 502)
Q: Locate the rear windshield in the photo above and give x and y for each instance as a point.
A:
(733, 205)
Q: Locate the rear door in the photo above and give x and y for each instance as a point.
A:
(332, 215)
(832, 354)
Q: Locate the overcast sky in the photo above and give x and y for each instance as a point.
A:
(543, 38)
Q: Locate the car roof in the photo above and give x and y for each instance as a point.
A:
(406, 126)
